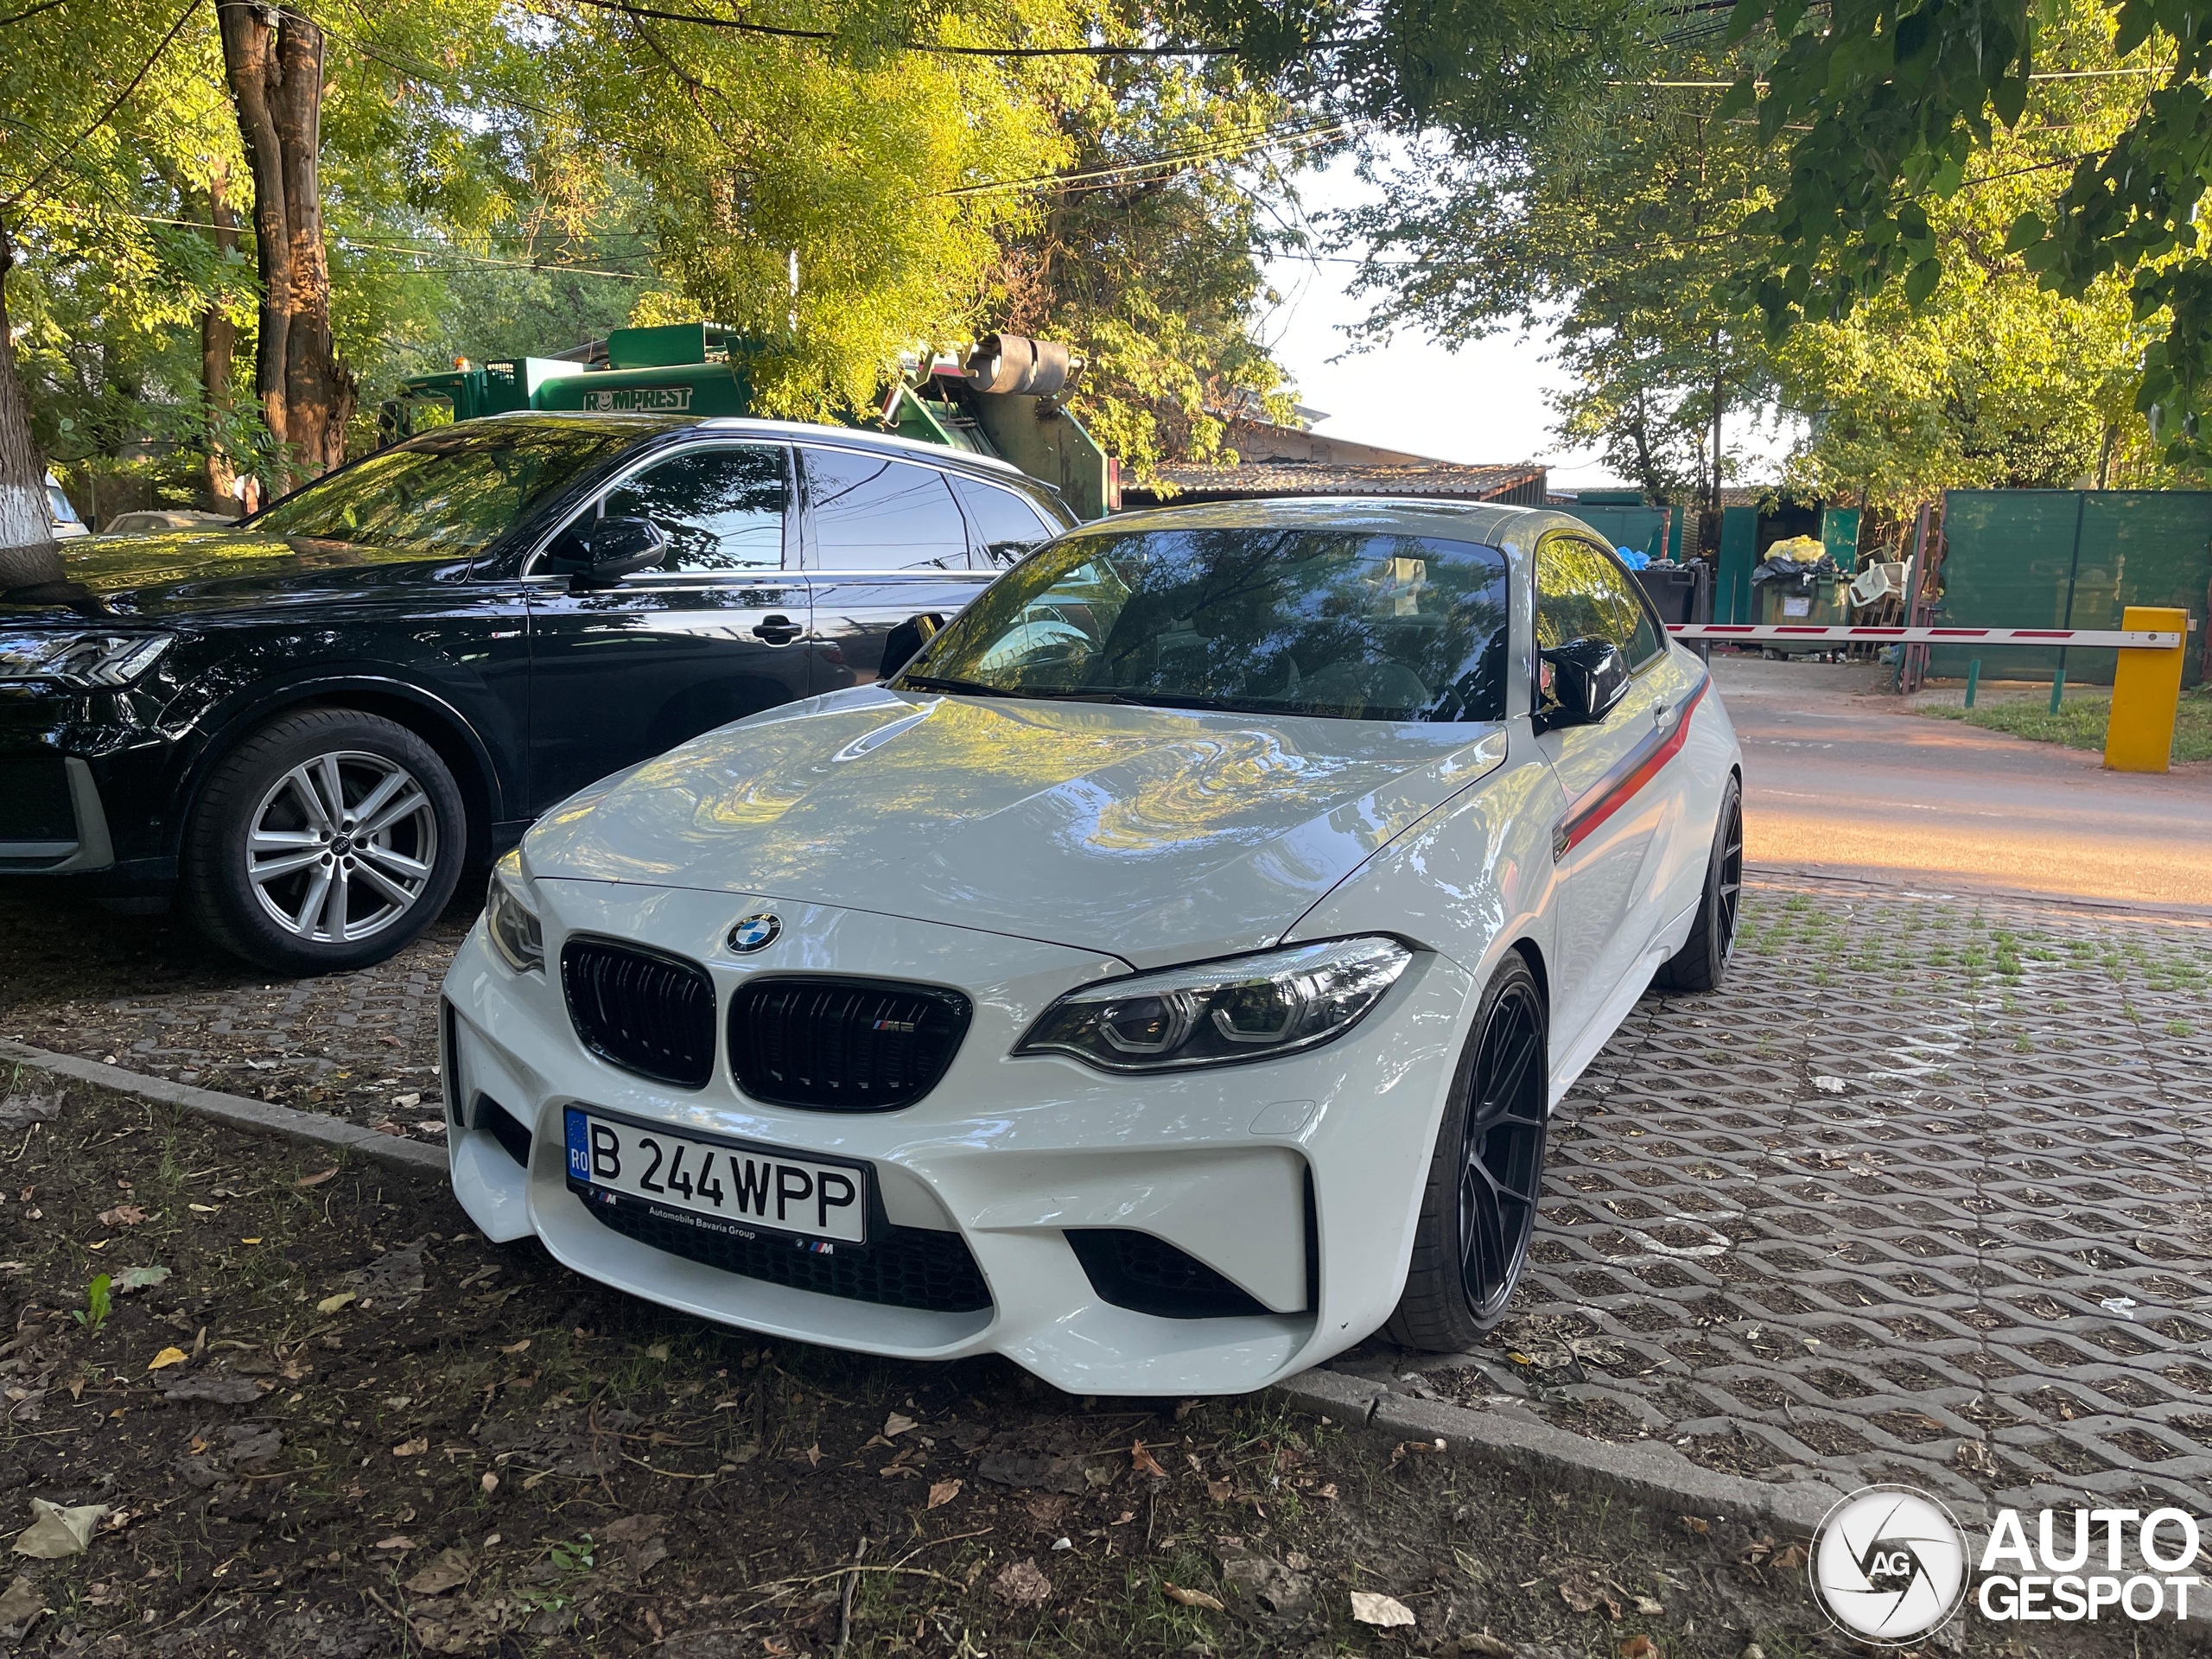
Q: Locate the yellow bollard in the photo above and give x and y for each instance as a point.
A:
(2146, 695)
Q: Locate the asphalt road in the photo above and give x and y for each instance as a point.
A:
(1842, 778)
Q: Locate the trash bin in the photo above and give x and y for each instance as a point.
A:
(1680, 592)
(1804, 597)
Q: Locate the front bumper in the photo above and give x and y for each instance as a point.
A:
(1295, 1180)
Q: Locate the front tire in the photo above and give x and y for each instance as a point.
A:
(1702, 963)
(1478, 1211)
(326, 841)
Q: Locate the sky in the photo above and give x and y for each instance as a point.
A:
(1481, 404)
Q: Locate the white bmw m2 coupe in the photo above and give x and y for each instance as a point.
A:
(1164, 980)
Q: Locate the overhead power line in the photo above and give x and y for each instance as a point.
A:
(777, 31)
(107, 114)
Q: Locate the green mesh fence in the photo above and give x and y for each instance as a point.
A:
(2069, 559)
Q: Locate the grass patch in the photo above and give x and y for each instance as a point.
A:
(2079, 722)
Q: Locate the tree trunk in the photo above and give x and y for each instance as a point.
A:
(219, 339)
(28, 554)
(319, 391)
(275, 70)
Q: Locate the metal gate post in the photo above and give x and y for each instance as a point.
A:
(2146, 695)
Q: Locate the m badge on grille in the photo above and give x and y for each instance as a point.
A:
(754, 933)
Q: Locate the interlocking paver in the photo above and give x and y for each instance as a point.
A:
(1924, 1193)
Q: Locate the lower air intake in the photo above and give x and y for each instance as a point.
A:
(1149, 1275)
(904, 1267)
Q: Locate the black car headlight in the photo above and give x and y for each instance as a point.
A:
(511, 920)
(1217, 1012)
(82, 662)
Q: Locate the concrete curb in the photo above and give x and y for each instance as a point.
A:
(1647, 1472)
(236, 1110)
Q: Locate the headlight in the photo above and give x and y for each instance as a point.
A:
(1216, 1012)
(82, 661)
(509, 920)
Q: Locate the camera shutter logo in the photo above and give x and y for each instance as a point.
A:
(754, 933)
(1889, 1565)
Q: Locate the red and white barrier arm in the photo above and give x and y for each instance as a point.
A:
(2125, 639)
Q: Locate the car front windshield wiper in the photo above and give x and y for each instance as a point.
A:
(964, 688)
(1151, 699)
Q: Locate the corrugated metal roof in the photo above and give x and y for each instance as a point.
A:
(1270, 478)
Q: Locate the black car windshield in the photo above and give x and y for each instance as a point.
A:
(455, 489)
(1295, 620)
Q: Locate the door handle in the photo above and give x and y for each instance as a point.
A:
(776, 630)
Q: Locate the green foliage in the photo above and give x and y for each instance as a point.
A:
(2080, 720)
(98, 1304)
(1887, 109)
(1151, 270)
(1614, 224)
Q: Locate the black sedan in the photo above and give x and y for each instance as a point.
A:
(308, 726)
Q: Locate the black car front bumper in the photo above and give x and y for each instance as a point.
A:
(52, 819)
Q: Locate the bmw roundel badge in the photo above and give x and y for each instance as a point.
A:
(754, 933)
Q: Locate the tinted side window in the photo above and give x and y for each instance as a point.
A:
(873, 513)
(1007, 524)
(721, 509)
(1581, 593)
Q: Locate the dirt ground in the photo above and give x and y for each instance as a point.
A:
(339, 1424)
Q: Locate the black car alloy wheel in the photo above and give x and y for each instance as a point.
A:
(1503, 1161)
(1479, 1207)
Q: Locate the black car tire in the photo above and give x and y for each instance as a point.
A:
(1471, 1241)
(265, 832)
(1702, 963)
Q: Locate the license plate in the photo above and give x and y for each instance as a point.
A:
(726, 1186)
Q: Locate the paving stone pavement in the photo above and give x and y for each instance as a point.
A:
(1923, 1194)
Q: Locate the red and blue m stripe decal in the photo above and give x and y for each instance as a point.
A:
(1636, 768)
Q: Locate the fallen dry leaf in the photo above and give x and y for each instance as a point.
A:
(55, 1531)
(1387, 1611)
(1648, 1608)
(318, 1178)
(1398, 1453)
(398, 1540)
(123, 1215)
(1791, 1559)
(20, 1603)
(1020, 1583)
(1141, 1461)
(1220, 1490)
(165, 1358)
(1489, 1647)
(943, 1493)
(1639, 1647)
(410, 1448)
(896, 1425)
(1176, 1593)
(1695, 1523)
(657, 1350)
(447, 1570)
(332, 1304)
(517, 1348)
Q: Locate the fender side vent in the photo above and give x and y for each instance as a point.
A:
(1149, 1275)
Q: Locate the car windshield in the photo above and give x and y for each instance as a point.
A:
(456, 489)
(1297, 621)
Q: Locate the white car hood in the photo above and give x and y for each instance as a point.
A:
(1153, 835)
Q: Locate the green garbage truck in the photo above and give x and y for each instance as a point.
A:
(1002, 398)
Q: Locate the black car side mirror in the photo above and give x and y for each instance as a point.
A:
(904, 642)
(607, 549)
(1586, 678)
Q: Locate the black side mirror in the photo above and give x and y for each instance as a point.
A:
(1586, 678)
(607, 549)
(904, 642)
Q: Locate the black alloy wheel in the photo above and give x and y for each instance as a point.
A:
(1478, 1209)
(1702, 963)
